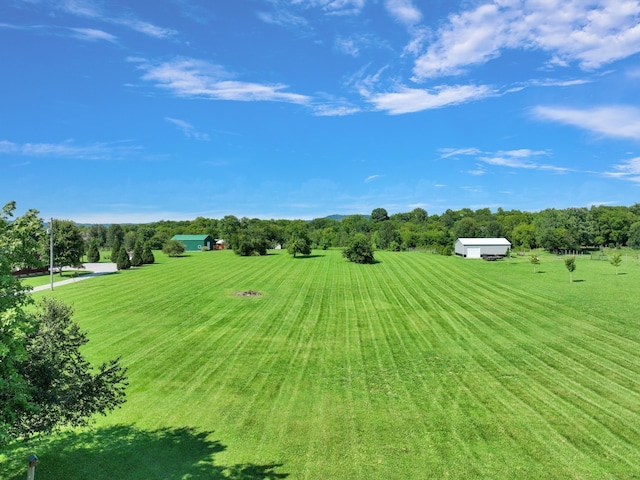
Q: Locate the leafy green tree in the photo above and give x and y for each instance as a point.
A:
(524, 235)
(299, 241)
(68, 245)
(44, 381)
(93, 254)
(136, 258)
(147, 255)
(616, 260)
(535, 261)
(359, 250)
(99, 234)
(123, 262)
(387, 234)
(570, 263)
(115, 236)
(466, 227)
(634, 235)
(63, 390)
(130, 240)
(379, 215)
(173, 248)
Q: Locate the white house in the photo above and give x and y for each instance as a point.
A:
(482, 247)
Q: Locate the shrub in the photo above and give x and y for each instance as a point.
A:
(93, 254)
(123, 262)
(359, 250)
(173, 248)
(147, 255)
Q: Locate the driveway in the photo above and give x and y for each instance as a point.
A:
(97, 269)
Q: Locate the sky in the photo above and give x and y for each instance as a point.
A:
(115, 111)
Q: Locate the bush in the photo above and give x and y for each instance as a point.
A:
(173, 248)
(123, 262)
(136, 258)
(359, 250)
(93, 254)
(147, 255)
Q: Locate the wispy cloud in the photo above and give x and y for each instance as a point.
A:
(610, 121)
(454, 152)
(404, 11)
(408, 100)
(187, 77)
(627, 170)
(590, 34)
(92, 35)
(187, 129)
(520, 158)
(91, 9)
(371, 178)
(69, 150)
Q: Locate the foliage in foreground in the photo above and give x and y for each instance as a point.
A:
(62, 388)
(45, 382)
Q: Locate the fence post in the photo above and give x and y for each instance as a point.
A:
(31, 471)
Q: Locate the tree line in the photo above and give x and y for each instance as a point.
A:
(551, 229)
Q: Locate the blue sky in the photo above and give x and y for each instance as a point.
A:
(137, 111)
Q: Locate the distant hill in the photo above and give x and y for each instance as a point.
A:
(340, 217)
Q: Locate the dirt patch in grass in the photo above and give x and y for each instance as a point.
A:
(248, 293)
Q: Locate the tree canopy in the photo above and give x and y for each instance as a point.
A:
(45, 382)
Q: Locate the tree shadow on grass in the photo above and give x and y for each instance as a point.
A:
(124, 452)
(313, 255)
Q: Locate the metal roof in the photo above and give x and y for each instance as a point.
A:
(190, 237)
(484, 241)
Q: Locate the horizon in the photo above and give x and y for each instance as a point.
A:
(134, 113)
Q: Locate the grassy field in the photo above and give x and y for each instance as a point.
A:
(420, 366)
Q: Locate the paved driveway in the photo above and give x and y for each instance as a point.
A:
(97, 269)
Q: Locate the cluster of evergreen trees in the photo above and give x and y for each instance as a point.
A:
(552, 229)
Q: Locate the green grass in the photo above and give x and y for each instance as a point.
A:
(419, 366)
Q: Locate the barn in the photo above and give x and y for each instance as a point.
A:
(193, 243)
(482, 247)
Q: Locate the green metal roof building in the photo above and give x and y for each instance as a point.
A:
(193, 243)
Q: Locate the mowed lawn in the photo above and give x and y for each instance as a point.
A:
(420, 366)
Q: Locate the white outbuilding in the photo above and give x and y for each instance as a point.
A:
(482, 247)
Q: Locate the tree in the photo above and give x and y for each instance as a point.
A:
(387, 234)
(63, 389)
(299, 241)
(379, 215)
(570, 263)
(115, 234)
(616, 260)
(93, 254)
(99, 234)
(535, 260)
(359, 250)
(466, 227)
(115, 251)
(147, 255)
(634, 235)
(123, 262)
(68, 245)
(173, 248)
(41, 387)
(136, 258)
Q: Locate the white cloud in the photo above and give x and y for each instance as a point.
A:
(371, 178)
(90, 9)
(407, 100)
(404, 11)
(91, 34)
(611, 121)
(454, 152)
(69, 150)
(628, 170)
(189, 130)
(591, 34)
(196, 78)
(333, 7)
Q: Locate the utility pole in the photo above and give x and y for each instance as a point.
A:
(51, 252)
